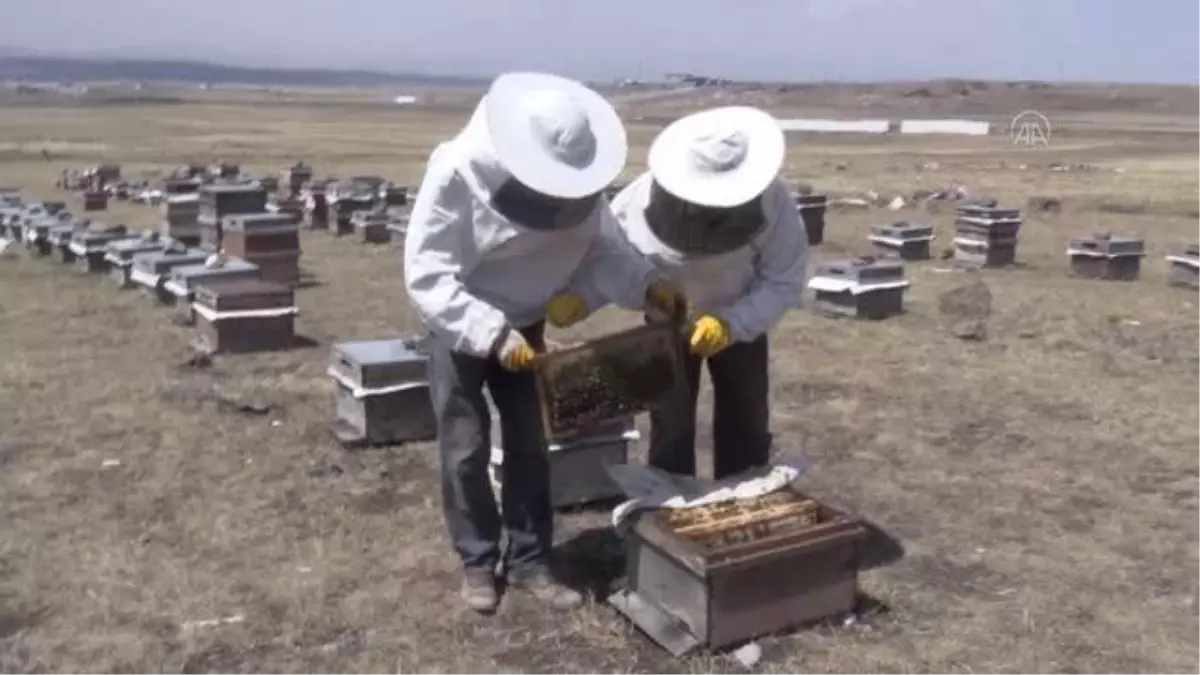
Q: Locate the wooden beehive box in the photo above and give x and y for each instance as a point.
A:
(907, 241)
(243, 315)
(269, 240)
(184, 278)
(608, 379)
(986, 236)
(716, 575)
(150, 270)
(95, 200)
(371, 226)
(1104, 256)
(578, 468)
(865, 288)
(119, 256)
(812, 209)
(60, 237)
(1185, 268)
(383, 392)
(181, 214)
(89, 247)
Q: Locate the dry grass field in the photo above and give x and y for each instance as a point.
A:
(1041, 483)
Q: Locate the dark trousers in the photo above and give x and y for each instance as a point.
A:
(456, 384)
(741, 414)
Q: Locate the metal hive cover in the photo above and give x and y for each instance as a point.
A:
(903, 230)
(189, 274)
(371, 352)
(253, 221)
(862, 269)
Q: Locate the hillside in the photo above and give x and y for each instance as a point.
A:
(71, 69)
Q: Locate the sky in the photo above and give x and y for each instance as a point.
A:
(786, 40)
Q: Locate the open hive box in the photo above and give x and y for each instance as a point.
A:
(608, 379)
(723, 573)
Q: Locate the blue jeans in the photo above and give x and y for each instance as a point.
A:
(456, 383)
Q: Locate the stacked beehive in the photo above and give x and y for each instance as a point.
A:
(986, 236)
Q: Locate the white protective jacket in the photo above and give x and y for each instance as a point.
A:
(470, 271)
(749, 288)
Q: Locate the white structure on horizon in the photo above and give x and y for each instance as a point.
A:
(959, 127)
(836, 126)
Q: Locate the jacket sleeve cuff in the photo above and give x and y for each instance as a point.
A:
(483, 328)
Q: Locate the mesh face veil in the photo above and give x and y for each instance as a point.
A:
(693, 229)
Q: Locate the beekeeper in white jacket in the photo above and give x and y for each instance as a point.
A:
(714, 217)
(509, 224)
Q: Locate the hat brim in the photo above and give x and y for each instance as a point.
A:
(523, 156)
(670, 165)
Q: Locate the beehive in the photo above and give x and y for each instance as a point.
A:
(907, 241)
(269, 240)
(986, 236)
(867, 288)
(183, 278)
(151, 270)
(578, 467)
(1104, 256)
(371, 226)
(383, 392)
(716, 575)
(219, 200)
(342, 209)
(95, 200)
(243, 315)
(60, 236)
(89, 246)
(119, 255)
(1185, 268)
(812, 209)
(181, 213)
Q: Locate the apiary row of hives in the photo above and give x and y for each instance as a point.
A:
(228, 300)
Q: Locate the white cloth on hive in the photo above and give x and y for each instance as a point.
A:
(651, 488)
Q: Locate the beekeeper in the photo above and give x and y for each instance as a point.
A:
(713, 216)
(509, 223)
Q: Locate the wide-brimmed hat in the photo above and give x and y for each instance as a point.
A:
(721, 157)
(555, 135)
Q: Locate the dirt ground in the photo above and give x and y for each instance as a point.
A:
(1037, 489)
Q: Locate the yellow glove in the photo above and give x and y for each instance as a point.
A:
(514, 352)
(709, 336)
(566, 309)
(663, 301)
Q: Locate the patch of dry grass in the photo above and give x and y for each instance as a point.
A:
(1043, 483)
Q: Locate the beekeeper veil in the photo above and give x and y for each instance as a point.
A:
(709, 173)
(548, 148)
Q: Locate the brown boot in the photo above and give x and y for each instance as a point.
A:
(546, 589)
(479, 591)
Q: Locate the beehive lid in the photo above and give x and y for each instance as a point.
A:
(903, 230)
(988, 212)
(187, 275)
(863, 269)
(223, 295)
(251, 222)
(156, 262)
(231, 188)
(185, 199)
(136, 244)
(1104, 243)
(380, 363)
(96, 237)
